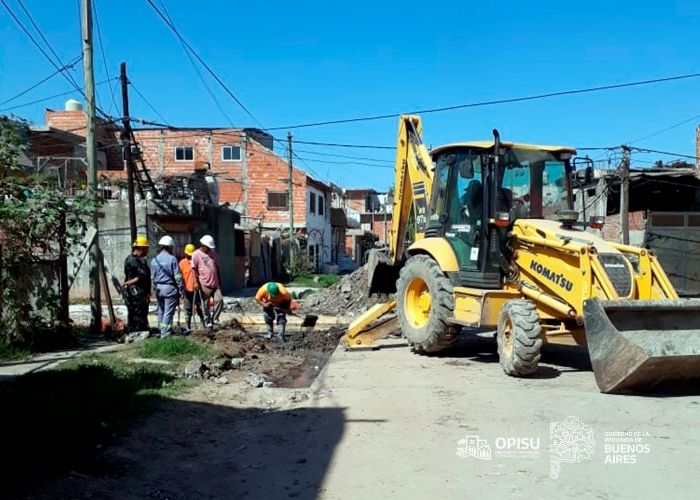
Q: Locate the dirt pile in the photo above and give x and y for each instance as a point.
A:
(242, 353)
(348, 297)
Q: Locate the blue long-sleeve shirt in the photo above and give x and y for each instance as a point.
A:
(165, 271)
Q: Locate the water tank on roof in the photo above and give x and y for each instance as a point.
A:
(73, 105)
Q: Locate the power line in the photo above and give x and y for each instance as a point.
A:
(197, 70)
(30, 36)
(104, 57)
(345, 156)
(174, 29)
(679, 155)
(58, 65)
(692, 118)
(69, 77)
(143, 98)
(491, 103)
(348, 163)
(168, 21)
(17, 106)
(338, 145)
(67, 66)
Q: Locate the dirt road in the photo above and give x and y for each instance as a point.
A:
(387, 424)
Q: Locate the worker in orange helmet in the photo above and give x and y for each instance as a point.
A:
(192, 296)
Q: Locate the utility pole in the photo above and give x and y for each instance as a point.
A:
(91, 153)
(126, 145)
(625, 195)
(290, 201)
(384, 206)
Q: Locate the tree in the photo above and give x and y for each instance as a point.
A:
(33, 212)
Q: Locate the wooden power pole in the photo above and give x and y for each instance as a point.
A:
(290, 201)
(91, 153)
(126, 145)
(625, 195)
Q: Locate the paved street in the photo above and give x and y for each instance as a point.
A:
(386, 424)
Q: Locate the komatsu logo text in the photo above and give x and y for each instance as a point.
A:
(556, 278)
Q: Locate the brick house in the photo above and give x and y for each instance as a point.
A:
(250, 177)
(369, 219)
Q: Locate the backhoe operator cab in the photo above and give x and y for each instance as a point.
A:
(481, 188)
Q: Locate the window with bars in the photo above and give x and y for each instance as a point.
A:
(277, 200)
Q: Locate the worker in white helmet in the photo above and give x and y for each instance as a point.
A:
(167, 281)
(205, 264)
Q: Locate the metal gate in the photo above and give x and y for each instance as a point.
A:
(675, 236)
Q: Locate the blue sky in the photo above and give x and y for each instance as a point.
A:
(297, 62)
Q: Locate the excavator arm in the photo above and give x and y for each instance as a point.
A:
(412, 190)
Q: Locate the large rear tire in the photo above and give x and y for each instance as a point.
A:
(518, 338)
(425, 303)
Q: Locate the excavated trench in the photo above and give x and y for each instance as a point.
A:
(294, 364)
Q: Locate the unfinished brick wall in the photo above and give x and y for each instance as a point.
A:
(267, 173)
(106, 134)
(243, 183)
(357, 200)
(378, 226)
(612, 230)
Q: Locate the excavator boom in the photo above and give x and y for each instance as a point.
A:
(412, 187)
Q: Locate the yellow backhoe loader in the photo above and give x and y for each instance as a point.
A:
(496, 244)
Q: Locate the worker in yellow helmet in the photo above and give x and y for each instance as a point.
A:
(193, 298)
(137, 286)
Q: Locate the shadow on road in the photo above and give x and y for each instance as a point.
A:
(73, 434)
(481, 348)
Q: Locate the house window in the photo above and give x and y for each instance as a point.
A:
(277, 200)
(321, 203)
(231, 153)
(312, 203)
(184, 153)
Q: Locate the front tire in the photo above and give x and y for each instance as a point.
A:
(425, 303)
(519, 338)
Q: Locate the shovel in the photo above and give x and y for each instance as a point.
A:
(307, 322)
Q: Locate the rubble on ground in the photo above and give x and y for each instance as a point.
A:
(249, 357)
(347, 298)
(255, 380)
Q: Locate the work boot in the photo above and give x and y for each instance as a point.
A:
(270, 332)
(280, 335)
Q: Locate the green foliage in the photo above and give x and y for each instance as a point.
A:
(55, 419)
(32, 211)
(11, 352)
(320, 281)
(300, 265)
(174, 348)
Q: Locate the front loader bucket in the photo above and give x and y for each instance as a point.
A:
(638, 346)
(381, 273)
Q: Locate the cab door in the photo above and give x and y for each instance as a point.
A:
(458, 204)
